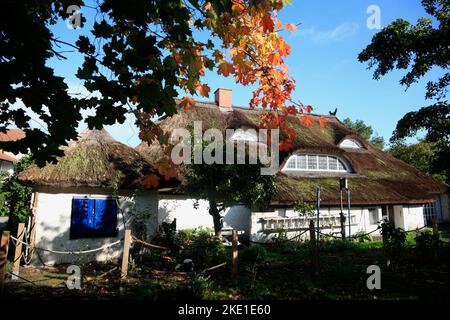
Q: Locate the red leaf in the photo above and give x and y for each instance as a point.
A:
(151, 181)
(309, 109)
(307, 120)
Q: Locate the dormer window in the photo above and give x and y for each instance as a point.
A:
(351, 144)
(245, 135)
(316, 162)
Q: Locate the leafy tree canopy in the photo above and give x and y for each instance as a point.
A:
(422, 155)
(419, 47)
(136, 57)
(365, 131)
(16, 196)
(225, 185)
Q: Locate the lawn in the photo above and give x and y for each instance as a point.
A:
(282, 271)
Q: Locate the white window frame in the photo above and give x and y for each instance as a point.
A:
(351, 144)
(346, 167)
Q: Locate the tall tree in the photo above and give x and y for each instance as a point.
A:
(135, 58)
(421, 155)
(419, 48)
(224, 185)
(365, 131)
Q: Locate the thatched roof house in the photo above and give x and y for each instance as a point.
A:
(95, 160)
(380, 185)
(375, 177)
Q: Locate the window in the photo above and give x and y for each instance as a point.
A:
(93, 218)
(351, 143)
(429, 213)
(373, 216)
(314, 162)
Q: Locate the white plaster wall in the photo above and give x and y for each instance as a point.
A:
(329, 222)
(413, 217)
(399, 219)
(53, 216)
(182, 209)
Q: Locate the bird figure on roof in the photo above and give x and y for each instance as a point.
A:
(333, 113)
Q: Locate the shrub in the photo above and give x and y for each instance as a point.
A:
(393, 241)
(427, 245)
(361, 236)
(199, 284)
(205, 250)
(253, 254)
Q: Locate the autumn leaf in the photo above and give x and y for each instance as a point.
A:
(225, 68)
(267, 23)
(309, 109)
(203, 90)
(323, 122)
(290, 27)
(307, 120)
(187, 103)
(151, 181)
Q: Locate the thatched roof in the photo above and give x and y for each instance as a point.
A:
(377, 177)
(94, 160)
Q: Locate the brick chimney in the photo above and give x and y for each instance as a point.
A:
(223, 98)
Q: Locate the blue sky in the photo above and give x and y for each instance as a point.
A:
(323, 61)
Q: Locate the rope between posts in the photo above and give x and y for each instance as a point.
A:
(69, 252)
(147, 244)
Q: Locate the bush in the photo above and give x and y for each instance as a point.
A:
(199, 284)
(361, 236)
(253, 254)
(394, 240)
(427, 245)
(204, 249)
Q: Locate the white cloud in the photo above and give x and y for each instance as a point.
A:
(339, 33)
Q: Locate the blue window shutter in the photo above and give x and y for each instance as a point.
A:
(105, 218)
(81, 220)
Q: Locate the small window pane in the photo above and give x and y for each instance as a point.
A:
(341, 166)
(373, 216)
(323, 163)
(312, 162)
(291, 163)
(301, 162)
(332, 163)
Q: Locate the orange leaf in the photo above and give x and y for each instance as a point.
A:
(225, 68)
(203, 90)
(151, 181)
(307, 120)
(323, 122)
(290, 27)
(186, 103)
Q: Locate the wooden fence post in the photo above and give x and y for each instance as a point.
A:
(126, 253)
(435, 227)
(4, 243)
(312, 238)
(234, 267)
(18, 251)
(33, 224)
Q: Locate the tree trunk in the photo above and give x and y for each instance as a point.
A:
(214, 211)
